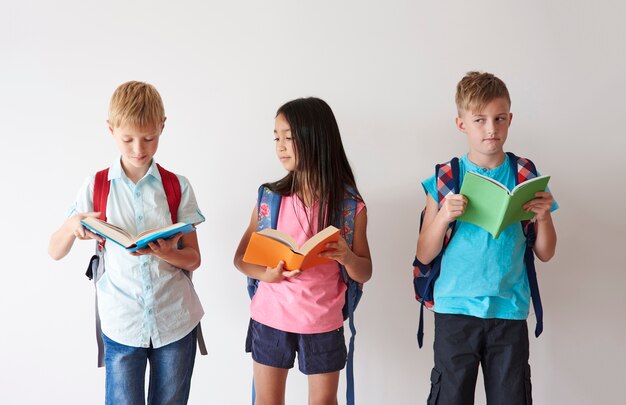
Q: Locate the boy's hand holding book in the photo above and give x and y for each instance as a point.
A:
(76, 227)
(453, 207)
(160, 247)
(540, 206)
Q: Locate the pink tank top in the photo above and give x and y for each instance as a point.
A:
(310, 302)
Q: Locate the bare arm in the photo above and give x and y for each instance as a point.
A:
(62, 240)
(358, 262)
(435, 225)
(266, 274)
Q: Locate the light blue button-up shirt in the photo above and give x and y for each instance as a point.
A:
(143, 299)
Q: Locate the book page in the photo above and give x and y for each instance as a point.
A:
(167, 232)
(489, 179)
(523, 193)
(280, 237)
(487, 202)
(109, 231)
(147, 233)
(318, 238)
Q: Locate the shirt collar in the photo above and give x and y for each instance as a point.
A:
(472, 167)
(116, 171)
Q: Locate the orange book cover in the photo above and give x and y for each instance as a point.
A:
(269, 246)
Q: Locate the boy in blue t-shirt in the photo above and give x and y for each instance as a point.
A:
(482, 295)
(148, 307)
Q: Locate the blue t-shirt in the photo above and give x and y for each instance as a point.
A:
(481, 276)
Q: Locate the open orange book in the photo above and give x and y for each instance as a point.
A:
(269, 246)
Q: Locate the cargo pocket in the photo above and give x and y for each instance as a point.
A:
(322, 352)
(528, 388)
(435, 386)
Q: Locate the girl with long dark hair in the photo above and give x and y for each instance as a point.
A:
(301, 311)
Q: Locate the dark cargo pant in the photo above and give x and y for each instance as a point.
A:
(500, 346)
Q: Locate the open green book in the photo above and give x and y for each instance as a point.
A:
(492, 206)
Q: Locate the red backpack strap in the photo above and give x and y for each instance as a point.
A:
(101, 188)
(171, 185)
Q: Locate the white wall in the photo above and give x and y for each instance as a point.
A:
(388, 70)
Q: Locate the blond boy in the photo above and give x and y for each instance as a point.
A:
(148, 307)
(482, 296)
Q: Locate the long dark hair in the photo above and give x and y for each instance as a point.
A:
(322, 166)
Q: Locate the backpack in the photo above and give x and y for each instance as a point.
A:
(268, 209)
(95, 269)
(425, 275)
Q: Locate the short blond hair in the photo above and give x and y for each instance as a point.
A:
(136, 104)
(477, 89)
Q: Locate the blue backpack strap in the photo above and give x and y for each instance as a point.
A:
(268, 205)
(354, 290)
(524, 170)
(425, 275)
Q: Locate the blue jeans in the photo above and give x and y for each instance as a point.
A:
(171, 367)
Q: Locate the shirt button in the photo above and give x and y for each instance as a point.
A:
(148, 287)
(137, 194)
(150, 311)
(140, 217)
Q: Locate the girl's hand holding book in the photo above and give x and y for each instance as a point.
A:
(339, 251)
(276, 274)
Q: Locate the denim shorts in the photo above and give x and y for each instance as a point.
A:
(317, 352)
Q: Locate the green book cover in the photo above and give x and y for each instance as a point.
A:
(492, 206)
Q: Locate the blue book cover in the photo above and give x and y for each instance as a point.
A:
(134, 242)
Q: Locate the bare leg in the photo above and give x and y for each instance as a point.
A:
(323, 388)
(269, 383)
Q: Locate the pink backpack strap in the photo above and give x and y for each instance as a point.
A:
(171, 185)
